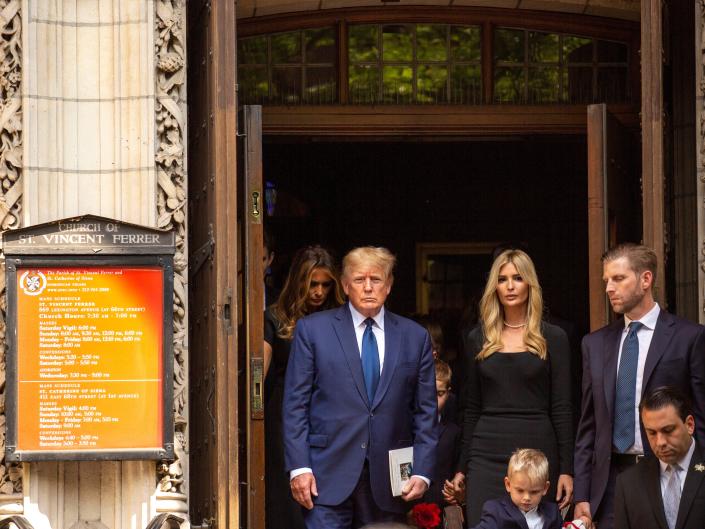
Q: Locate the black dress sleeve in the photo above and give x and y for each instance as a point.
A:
(472, 396)
(270, 327)
(561, 391)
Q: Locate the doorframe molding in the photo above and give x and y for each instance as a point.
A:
(436, 120)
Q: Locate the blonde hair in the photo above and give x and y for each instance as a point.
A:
(492, 312)
(530, 461)
(443, 371)
(370, 256)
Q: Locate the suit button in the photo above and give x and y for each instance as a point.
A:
(363, 445)
(372, 414)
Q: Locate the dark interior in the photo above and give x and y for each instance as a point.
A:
(526, 191)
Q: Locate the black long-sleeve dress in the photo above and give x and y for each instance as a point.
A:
(515, 400)
(281, 511)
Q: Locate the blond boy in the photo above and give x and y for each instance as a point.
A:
(526, 483)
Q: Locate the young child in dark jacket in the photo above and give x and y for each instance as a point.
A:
(524, 508)
(448, 447)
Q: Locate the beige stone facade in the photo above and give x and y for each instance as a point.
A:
(93, 120)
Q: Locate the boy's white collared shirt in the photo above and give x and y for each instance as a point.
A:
(534, 519)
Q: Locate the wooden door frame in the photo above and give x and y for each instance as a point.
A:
(252, 336)
(597, 213)
(652, 134)
(434, 120)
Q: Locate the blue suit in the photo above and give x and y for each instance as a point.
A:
(329, 425)
(503, 514)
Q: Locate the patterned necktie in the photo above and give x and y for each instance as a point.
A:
(370, 360)
(625, 396)
(672, 495)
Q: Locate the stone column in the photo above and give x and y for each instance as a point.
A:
(100, 128)
(88, 98)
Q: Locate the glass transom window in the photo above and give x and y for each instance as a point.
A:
(296, 67)
(532, 67)
(414, 63)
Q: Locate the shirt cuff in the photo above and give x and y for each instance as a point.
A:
(424, 478)
(298, 472)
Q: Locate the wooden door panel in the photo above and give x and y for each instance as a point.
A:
(614, 196)
(214, 493)
(251, 216)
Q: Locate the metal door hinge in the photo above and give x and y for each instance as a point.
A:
(202, 254)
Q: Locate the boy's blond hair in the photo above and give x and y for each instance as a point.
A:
(443, 371)
(530, 461)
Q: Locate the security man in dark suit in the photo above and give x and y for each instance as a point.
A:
(667, 489)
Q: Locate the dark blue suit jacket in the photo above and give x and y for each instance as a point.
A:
(503, 514)
(676, 357)
(329, 425)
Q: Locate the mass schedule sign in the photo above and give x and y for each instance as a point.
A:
(89, 376)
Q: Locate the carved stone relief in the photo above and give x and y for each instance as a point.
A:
(10, 205)
(170, 50)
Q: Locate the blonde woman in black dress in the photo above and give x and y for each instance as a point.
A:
(518, 388)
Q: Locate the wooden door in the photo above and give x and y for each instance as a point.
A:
(250, 218)
(614, 199)
(214, 469)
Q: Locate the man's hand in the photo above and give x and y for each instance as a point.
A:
(564, 492)
(414, 489)
(303, 487)
(582, 511)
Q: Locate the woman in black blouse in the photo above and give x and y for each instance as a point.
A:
(518, 388)
(313, 284)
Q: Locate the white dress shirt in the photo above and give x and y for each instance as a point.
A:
(645, 334)
(377, 328)
(534, 519)
(682, 472)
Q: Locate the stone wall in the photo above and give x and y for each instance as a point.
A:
(92, 120)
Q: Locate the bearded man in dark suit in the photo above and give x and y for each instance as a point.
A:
(623, 361)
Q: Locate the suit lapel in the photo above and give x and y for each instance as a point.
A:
(612, 338)
(663, 332)
(343, 326)
(653, 490)
(514, 512)
(693, 482)
(392, 344)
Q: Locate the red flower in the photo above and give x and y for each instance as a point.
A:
(426, 515)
